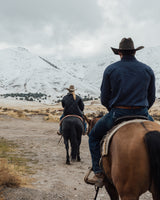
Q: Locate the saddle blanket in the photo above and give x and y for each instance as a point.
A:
(107, 138)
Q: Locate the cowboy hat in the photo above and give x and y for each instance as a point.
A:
(71, 88)
(126, 44)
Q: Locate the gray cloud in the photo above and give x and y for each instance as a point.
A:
(77, 28)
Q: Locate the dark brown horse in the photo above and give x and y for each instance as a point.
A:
(72, 129)
(132, 165)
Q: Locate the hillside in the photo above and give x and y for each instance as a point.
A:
(24, 72)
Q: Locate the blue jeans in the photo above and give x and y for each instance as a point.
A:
(105, 124)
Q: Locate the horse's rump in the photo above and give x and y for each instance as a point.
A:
(127, 164)
(72, 122)
(77, 116)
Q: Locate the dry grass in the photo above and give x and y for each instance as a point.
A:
(8, 176)
(52, 114)
(13, 167)
(13, 113)
(52, 118)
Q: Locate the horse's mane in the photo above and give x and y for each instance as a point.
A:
(101, 114)
(93, 116)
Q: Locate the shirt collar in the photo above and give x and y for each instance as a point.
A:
(128, 57)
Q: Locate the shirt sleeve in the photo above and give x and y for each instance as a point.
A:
(151, 90)
(105, 90)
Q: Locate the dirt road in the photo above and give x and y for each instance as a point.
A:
(52, 178)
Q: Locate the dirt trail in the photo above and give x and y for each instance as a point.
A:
(38, 141)
(52, 178)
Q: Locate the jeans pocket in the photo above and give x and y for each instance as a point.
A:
(118, 113)
(115, 115)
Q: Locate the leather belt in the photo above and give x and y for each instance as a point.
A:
(129, 107)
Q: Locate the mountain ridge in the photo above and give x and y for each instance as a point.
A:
(25, 72)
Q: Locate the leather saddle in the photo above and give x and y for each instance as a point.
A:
(127, 118)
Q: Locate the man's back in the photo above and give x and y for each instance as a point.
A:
(128, 83)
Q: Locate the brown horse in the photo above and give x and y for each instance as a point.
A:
(132, 165)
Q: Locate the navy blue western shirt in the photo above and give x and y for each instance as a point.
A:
(128, 82)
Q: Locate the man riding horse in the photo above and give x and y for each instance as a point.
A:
(127, 89)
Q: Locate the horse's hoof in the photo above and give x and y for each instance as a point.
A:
(78, 159)
(68, 162)
(73, 160)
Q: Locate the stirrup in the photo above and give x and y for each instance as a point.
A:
(58, 133)
(86, 180)
(89, 181)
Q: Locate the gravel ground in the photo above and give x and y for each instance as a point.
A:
(52, 178)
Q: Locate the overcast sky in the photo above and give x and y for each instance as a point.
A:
(77, 28)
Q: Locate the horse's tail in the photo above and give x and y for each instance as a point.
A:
(152, 141)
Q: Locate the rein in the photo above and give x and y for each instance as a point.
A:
(86, 181)
(97, 190)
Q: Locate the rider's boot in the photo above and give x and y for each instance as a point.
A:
(97, 179)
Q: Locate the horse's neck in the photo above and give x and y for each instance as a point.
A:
(94, 121)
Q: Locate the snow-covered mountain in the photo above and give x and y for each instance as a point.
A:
(23, 72)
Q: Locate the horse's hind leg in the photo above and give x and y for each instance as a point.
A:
(128, 192)
(73, 151)
(129, 197)
(111, 190)
(78, 150)
(74, 146)
(67, 151)
(78, 155)
(155, 197)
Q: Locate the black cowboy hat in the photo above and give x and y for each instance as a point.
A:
(126, 44)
